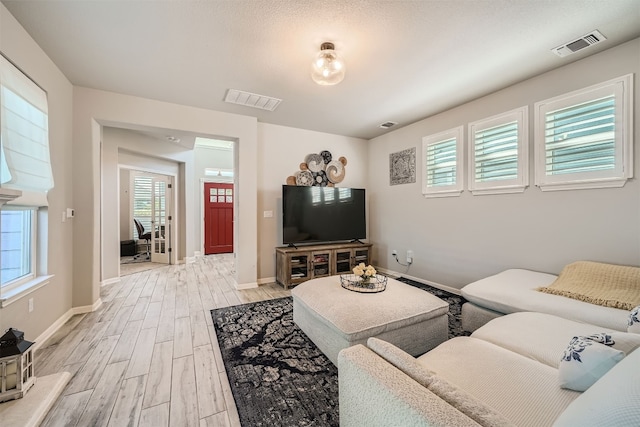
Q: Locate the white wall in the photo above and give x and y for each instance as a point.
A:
(53, 300)
(281, 150)
(462, 239)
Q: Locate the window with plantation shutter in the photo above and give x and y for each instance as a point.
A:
(141, 202)
(584, 139)
(442, 164)
(498, 153)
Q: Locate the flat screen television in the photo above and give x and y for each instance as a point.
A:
(322, 214)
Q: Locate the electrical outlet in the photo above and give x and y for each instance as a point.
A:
(394, 252)
(409, 257)
(30, 305)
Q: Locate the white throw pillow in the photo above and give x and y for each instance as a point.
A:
(586, 359)
(634, 321)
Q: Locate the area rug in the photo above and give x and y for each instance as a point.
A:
(278, 377)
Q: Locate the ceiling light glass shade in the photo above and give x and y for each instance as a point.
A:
(327, 68)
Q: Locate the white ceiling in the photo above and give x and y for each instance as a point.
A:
(406, 60)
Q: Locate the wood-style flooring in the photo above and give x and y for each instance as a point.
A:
(149, 355)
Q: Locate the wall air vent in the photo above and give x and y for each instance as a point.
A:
(387, 125)
(587, 40)
(253, 100)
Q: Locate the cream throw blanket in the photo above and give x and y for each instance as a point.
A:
(609, 285)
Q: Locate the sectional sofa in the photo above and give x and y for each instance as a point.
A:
(514, 290)
(510, 372)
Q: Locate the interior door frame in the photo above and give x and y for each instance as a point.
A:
(173, 208)
(217, 180)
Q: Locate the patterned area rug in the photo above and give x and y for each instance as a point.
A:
(278, 377)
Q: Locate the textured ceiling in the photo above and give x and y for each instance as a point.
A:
(406, 60)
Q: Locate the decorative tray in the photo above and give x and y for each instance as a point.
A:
(355, 283)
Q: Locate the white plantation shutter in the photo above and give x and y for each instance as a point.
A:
(581, 138)
(498, 149)
(142, 209)
(25, 163)
(584, 139)
(442, 168)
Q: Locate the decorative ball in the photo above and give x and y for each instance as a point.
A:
(291, 180)
(303, 166)
(326, 156)
(343, 160)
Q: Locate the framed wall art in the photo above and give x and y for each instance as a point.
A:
(402, 167)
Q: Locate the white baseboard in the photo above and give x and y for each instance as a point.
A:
(110, 281)
(250, 285)
(43, 337)
(440, 286)
(266, 280)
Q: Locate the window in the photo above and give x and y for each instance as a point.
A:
(17, 245)
(442, 168)
(583, 139)
(499, 153)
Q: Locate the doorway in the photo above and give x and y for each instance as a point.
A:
(146, 216)
(218, 218)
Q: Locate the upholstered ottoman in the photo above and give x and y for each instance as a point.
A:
(336, 318)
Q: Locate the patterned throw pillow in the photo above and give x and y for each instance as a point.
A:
(634, 321)
(586, 359)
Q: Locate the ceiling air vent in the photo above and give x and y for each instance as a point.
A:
(590, 39)
(387, 125)
(253, 100)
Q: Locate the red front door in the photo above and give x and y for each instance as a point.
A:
(218, 218)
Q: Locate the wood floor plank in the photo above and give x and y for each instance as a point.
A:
(166, 326)
(182, 341)
(152, 316)
(210, 394)
(128, 405)
(142, 353)
(90, 374)
(155, 416)
(140, 309)
(230, 403)
(67, 410)
(220, 419)
(90, 338)
(159, 380)
(184, 406)
(99, 407)
(117, 325)
(126, 342)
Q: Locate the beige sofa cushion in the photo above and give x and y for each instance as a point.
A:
(524, 391)
(544, 337)
(462, 401)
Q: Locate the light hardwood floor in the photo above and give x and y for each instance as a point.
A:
(149, 355)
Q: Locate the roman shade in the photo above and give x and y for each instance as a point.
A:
(25, 163)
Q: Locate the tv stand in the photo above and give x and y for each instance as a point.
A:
(298, 264)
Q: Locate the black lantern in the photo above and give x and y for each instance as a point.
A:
(16, 365)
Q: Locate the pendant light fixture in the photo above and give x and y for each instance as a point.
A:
(327, 68)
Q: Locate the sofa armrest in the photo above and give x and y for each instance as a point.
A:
(375, 393)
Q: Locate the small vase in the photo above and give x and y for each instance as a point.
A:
(366, 282)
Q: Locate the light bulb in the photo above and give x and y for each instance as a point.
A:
(327, 68)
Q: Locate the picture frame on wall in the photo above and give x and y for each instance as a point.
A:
(402, 167)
